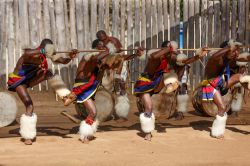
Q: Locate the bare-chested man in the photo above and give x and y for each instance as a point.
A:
(238, 67)
(30, 70)
(122, 105)
(179, 63)
(88, 77)
(219, 80)
(154, 78)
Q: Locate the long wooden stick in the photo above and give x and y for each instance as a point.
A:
(73, 119)
(58, 52)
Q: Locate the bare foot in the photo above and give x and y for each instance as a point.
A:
(148, 137)
(85, 140)
(28, 142)
(179, 116)
(219, 137)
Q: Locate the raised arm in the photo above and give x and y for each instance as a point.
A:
(160, 53)
(200, 53)
(58, 59)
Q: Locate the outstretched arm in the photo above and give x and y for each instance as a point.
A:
(199, 54)
(58, 59)
(221, 52)
(160, 53)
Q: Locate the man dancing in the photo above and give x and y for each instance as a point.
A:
(219, 80)
(158, 72)
(88, 78)
(30, 70)
(114, 46)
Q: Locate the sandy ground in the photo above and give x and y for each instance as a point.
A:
(185, 142)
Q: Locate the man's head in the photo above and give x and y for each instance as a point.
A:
(97, 44)
(165, 43)
(232, 54)
(44, 42)
(101, 35)
(171, 44)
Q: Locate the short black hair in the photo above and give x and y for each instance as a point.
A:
(95, 43)
(45, 41)
(165, 43)
(100, 32)
(224, 44)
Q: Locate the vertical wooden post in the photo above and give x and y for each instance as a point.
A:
(87, 39)
(234, 19)
(137, 35)
(123, 21)
(55, 68)
(203, 38)
(148, 24)
(24, 29)
(130, 26)
(80, 8)
(191, 37)
(217, 24)
(3, 43)
(247, 27)
(11, 35)
(143, 31)
(116, 18)
(154, 23)
(17, 32)
(143, 23)
(165, 19)
(185, 25)
(172, 19)
(61, 36)
(101, 20)
(73, 38)
(198, 37)
(177, 21)
(241, 21)
(160, 22)
(46, 19)
(107, 22)
(210, 24)
(93, 17)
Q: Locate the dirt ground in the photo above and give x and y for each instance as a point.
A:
(185, 142)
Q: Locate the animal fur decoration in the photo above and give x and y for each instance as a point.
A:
(174, 45)
(59, 86)
(237, 102)
(243, 55)
(182, 102)
(180, 58)
(28, 126)
(171, 82)
(219, 125)
(147, 124)
(86, 130)
(245, 80)
(111, 47)
(122, 106)
(232, 43)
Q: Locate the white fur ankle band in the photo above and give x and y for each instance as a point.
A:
(182, 101)
(219, 125)
(87, 130)
(28, 126)
(147, 124)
